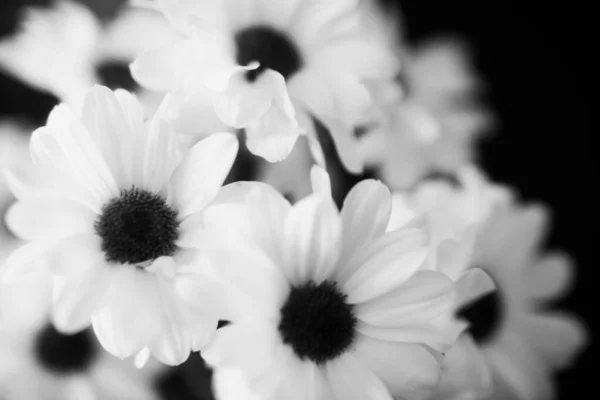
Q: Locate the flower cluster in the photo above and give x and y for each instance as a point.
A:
(133, 240)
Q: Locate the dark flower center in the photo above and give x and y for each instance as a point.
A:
(271, 48)
(136, 227)
(484, 316)
(317, 322)
(65, 354)
(116, 75)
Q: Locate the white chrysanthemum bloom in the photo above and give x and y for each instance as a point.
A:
(65, 50)
(114, 205)
(40, 363)
(513, 345)
(436, 124)
(14, 153)
(271, 66)
(329, 305)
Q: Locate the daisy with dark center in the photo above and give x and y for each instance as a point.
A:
(513, 344)
(39, 362)
(327, 304)
(272, 66)
(114, 203)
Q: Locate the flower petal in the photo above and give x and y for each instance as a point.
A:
(197, 180)
(110, 121)
(49, 219)
(365, 215)
(265, 215)
(559, 338)
(194, 114)
(351, 380)
(162, 154)
(248, 345)
(408, 370)
(316, 21)
(424, 297)
(427, 333)
(312, 240)
(26, 261)
(72, 256)
(254, 284)
(321, 184)
(174, 343)
(384, 265)
(551, 277)
(518, 369)
(241, 102)
(297, 379)
(232, 384)
(170, 66)
(76, 302)
(273, 136)
(78, 388)
(472, 285)
(127, 320)
(68, 153)
(466, 373)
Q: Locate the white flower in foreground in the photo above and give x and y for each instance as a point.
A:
(113, 206)
(14, 153)
(64, 49)
(513, 343)
(40, 363)
(271, 65)
(328, 304)
(436, 125)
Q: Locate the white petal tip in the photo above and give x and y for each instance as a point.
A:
(321, 184)
(141, 358)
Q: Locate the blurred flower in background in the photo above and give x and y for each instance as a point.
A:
(38, 362)
(436, 124)
(64, 49)
(514, 343)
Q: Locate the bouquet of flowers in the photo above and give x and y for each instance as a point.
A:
(199, 190)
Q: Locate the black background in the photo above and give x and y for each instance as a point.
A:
(538, 62)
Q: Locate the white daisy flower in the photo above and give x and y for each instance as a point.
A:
(513, 344)
(272, 66)
(114, 204)
(40, 363)
(436, 124)
(328, 304)
(65, 50)
(14, 153)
